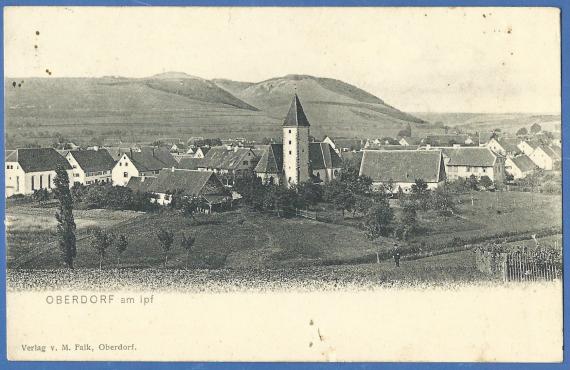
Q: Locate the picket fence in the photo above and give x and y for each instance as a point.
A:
(530, 266)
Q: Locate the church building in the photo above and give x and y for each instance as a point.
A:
(298, 160)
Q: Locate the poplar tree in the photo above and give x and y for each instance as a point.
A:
(64, 216)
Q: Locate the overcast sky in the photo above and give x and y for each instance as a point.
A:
(416, 59)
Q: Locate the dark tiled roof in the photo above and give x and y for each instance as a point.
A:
(191, 182)
(352, 144)
(189, 163)
(510, 145)
(93, 160)
(271, 159)
(524, 163)
(146, 161)
(475, 157)
(533, 143)
(37, 159)
(322, 155)
(550, 152)
(162, 155)
(227, 159)
(402, 165)
(296, 115)
(205, 149)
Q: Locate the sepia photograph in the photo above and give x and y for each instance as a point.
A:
(308, 173)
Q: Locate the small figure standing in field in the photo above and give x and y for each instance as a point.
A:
(396, 255)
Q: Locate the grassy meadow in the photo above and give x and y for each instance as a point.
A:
(244, 239)
(448, 270)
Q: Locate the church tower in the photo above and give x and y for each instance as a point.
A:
(296, 144)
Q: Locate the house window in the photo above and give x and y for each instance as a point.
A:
(289, 142)
(41, 181)
(289, 131)
(126, 163)
(17, 183)
(33, 183)
(49, 181)
(484, 170)
(120, 163)
(468, 169)
(289, 152)
(125, 174)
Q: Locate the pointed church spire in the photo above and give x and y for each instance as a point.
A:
(296, 116)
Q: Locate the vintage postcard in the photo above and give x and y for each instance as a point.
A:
(283, 184)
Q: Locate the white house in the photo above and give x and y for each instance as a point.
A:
(546, 158)
(90, 166)
(401, 168)
(478, 161)
(528, 146)
(519, 166)
(146, 163)
(31, 169)
(503, 146)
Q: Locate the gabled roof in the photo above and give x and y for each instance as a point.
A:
(402, 165)
(191, 182)
(37, 159)
(296, 116)
(227, 159)
(204, 149)
(351, 143)
(470, 156)
(271, 160)
(532, 143)
(147, 160)
(322, 156)
(550, 152)
(523, 163)
(161, 154)
(510, 145)
(93, 160)
(189, 163)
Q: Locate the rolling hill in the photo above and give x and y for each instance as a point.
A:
(181, 105)
(332, 106)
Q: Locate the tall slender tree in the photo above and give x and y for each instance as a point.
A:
(187, 244)
(165, 238)
(64, 216)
